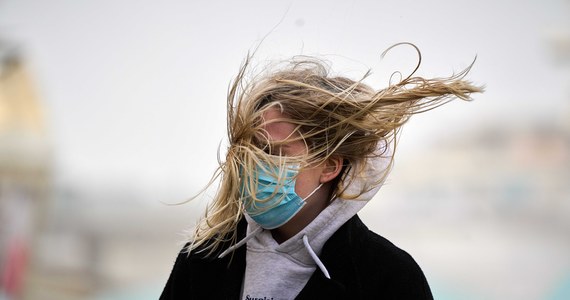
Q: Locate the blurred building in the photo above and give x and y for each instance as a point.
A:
(24, 173)
(72, 240)
(494, 201)
(501, 170)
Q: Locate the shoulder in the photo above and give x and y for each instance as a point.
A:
(380, 265)
(392, 259)
(192, 275)
(204, 255)
(380, 250)
(195, 273)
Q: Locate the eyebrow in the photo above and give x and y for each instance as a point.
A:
(278, 149)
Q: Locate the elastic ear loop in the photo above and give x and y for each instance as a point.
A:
(318, 187)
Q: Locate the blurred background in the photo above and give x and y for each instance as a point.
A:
(110, 110)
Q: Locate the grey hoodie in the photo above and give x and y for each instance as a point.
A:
(280, 271)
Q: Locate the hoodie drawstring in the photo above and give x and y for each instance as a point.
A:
(305, 242)
(240, 243)
(315, 257)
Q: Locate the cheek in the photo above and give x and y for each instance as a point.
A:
(307, 181)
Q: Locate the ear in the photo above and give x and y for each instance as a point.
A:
(333, 167)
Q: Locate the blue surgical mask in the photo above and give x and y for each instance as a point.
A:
(277, 201)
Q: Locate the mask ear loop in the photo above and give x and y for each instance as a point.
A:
(318, 187)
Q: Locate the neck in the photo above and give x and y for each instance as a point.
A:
(313, 207)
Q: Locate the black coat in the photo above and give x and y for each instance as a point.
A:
(362, 265)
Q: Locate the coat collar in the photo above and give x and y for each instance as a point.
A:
(233, 277)
(338, 257)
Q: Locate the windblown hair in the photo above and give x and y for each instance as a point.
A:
(334, 116)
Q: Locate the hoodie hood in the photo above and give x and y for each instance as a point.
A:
(279, 271)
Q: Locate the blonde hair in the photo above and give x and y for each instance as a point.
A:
(334, 116)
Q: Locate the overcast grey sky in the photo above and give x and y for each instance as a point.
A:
(134, 91)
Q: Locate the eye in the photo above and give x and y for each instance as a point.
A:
(273, 150)
(261, 145)
(267, 149)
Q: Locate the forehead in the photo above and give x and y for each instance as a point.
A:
(276, 127)
(281, 134)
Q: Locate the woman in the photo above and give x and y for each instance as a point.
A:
(307, 150)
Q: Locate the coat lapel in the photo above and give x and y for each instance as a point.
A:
(233, 275)
(231, 270)
(337, 256)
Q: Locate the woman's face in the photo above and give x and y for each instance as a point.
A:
(287, 142)
(309, 177)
